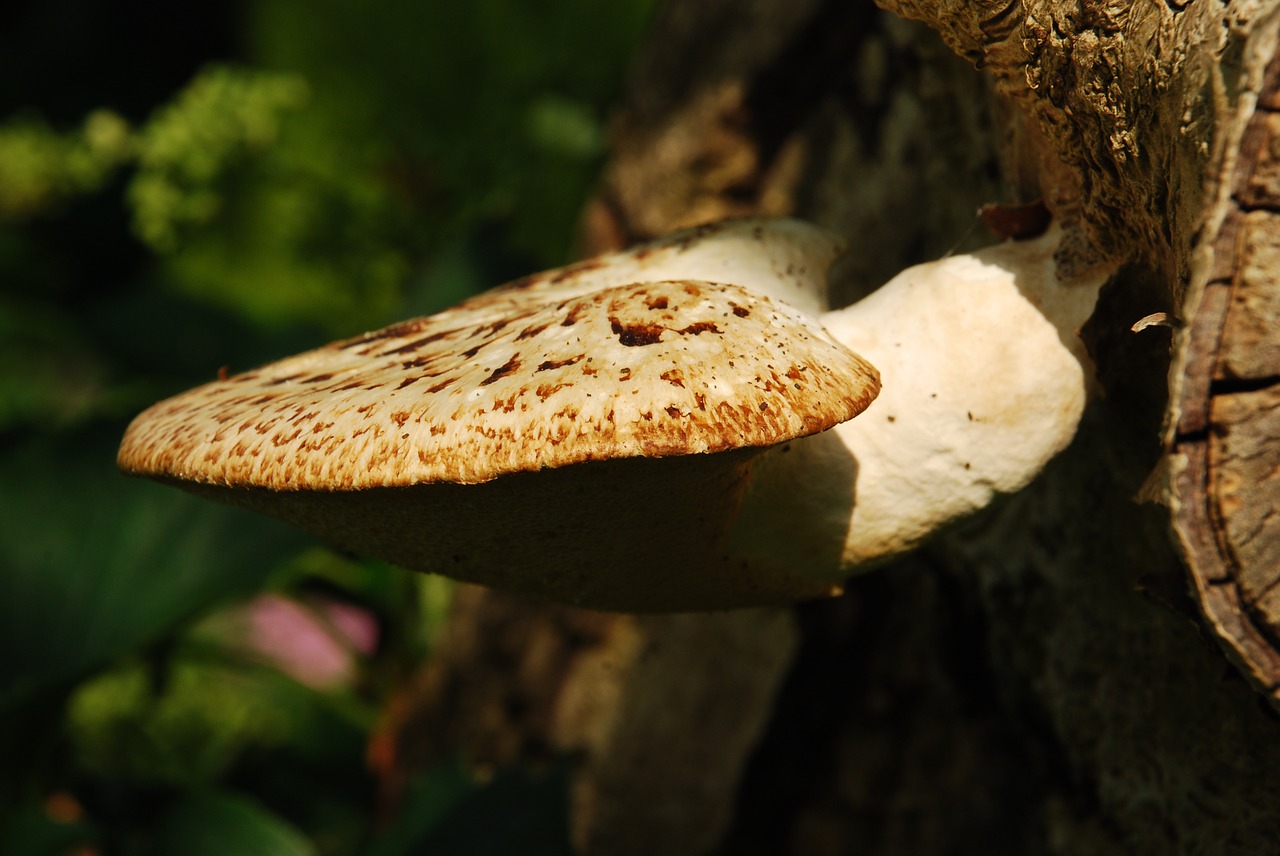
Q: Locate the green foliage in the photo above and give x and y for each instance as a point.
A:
(256, 209)
(96, 567)
(41, 168)
(190, 146)
(186, 721)
(348, 165)
(49, 375)
(31, 830)
(217, 823)
(489, 111)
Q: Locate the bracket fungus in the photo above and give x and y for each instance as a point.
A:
(985, 380)
(649, 430)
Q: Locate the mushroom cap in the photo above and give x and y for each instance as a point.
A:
(590, 446)
(786, 260)
(643, 370)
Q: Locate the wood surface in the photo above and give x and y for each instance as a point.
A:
(1228, 439)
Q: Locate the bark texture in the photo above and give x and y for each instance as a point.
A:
(1227, 483)
(1043, 680)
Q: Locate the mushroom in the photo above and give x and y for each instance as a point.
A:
(985, 380)
(648, 430)
(786, 260)
(583, 435)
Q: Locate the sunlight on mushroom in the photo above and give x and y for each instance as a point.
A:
(985, 380)
(649, 430)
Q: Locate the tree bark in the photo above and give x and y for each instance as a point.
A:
(1051, 677)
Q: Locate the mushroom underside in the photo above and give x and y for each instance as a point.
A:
(635, 535)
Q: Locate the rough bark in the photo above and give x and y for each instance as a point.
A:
(1225, 451)
(1043, 680)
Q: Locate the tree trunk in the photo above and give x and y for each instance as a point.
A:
(1062, 675)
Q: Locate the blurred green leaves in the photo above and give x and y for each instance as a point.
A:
(218, 823)
(346, 166)
(50, 376)
(96, 566)
(312, 188)
(224, 116)
(41, 168)
(454, 91)
(253, 208)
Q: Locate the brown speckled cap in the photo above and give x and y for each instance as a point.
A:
(786, 260)
(408, 442)
(645, 370)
